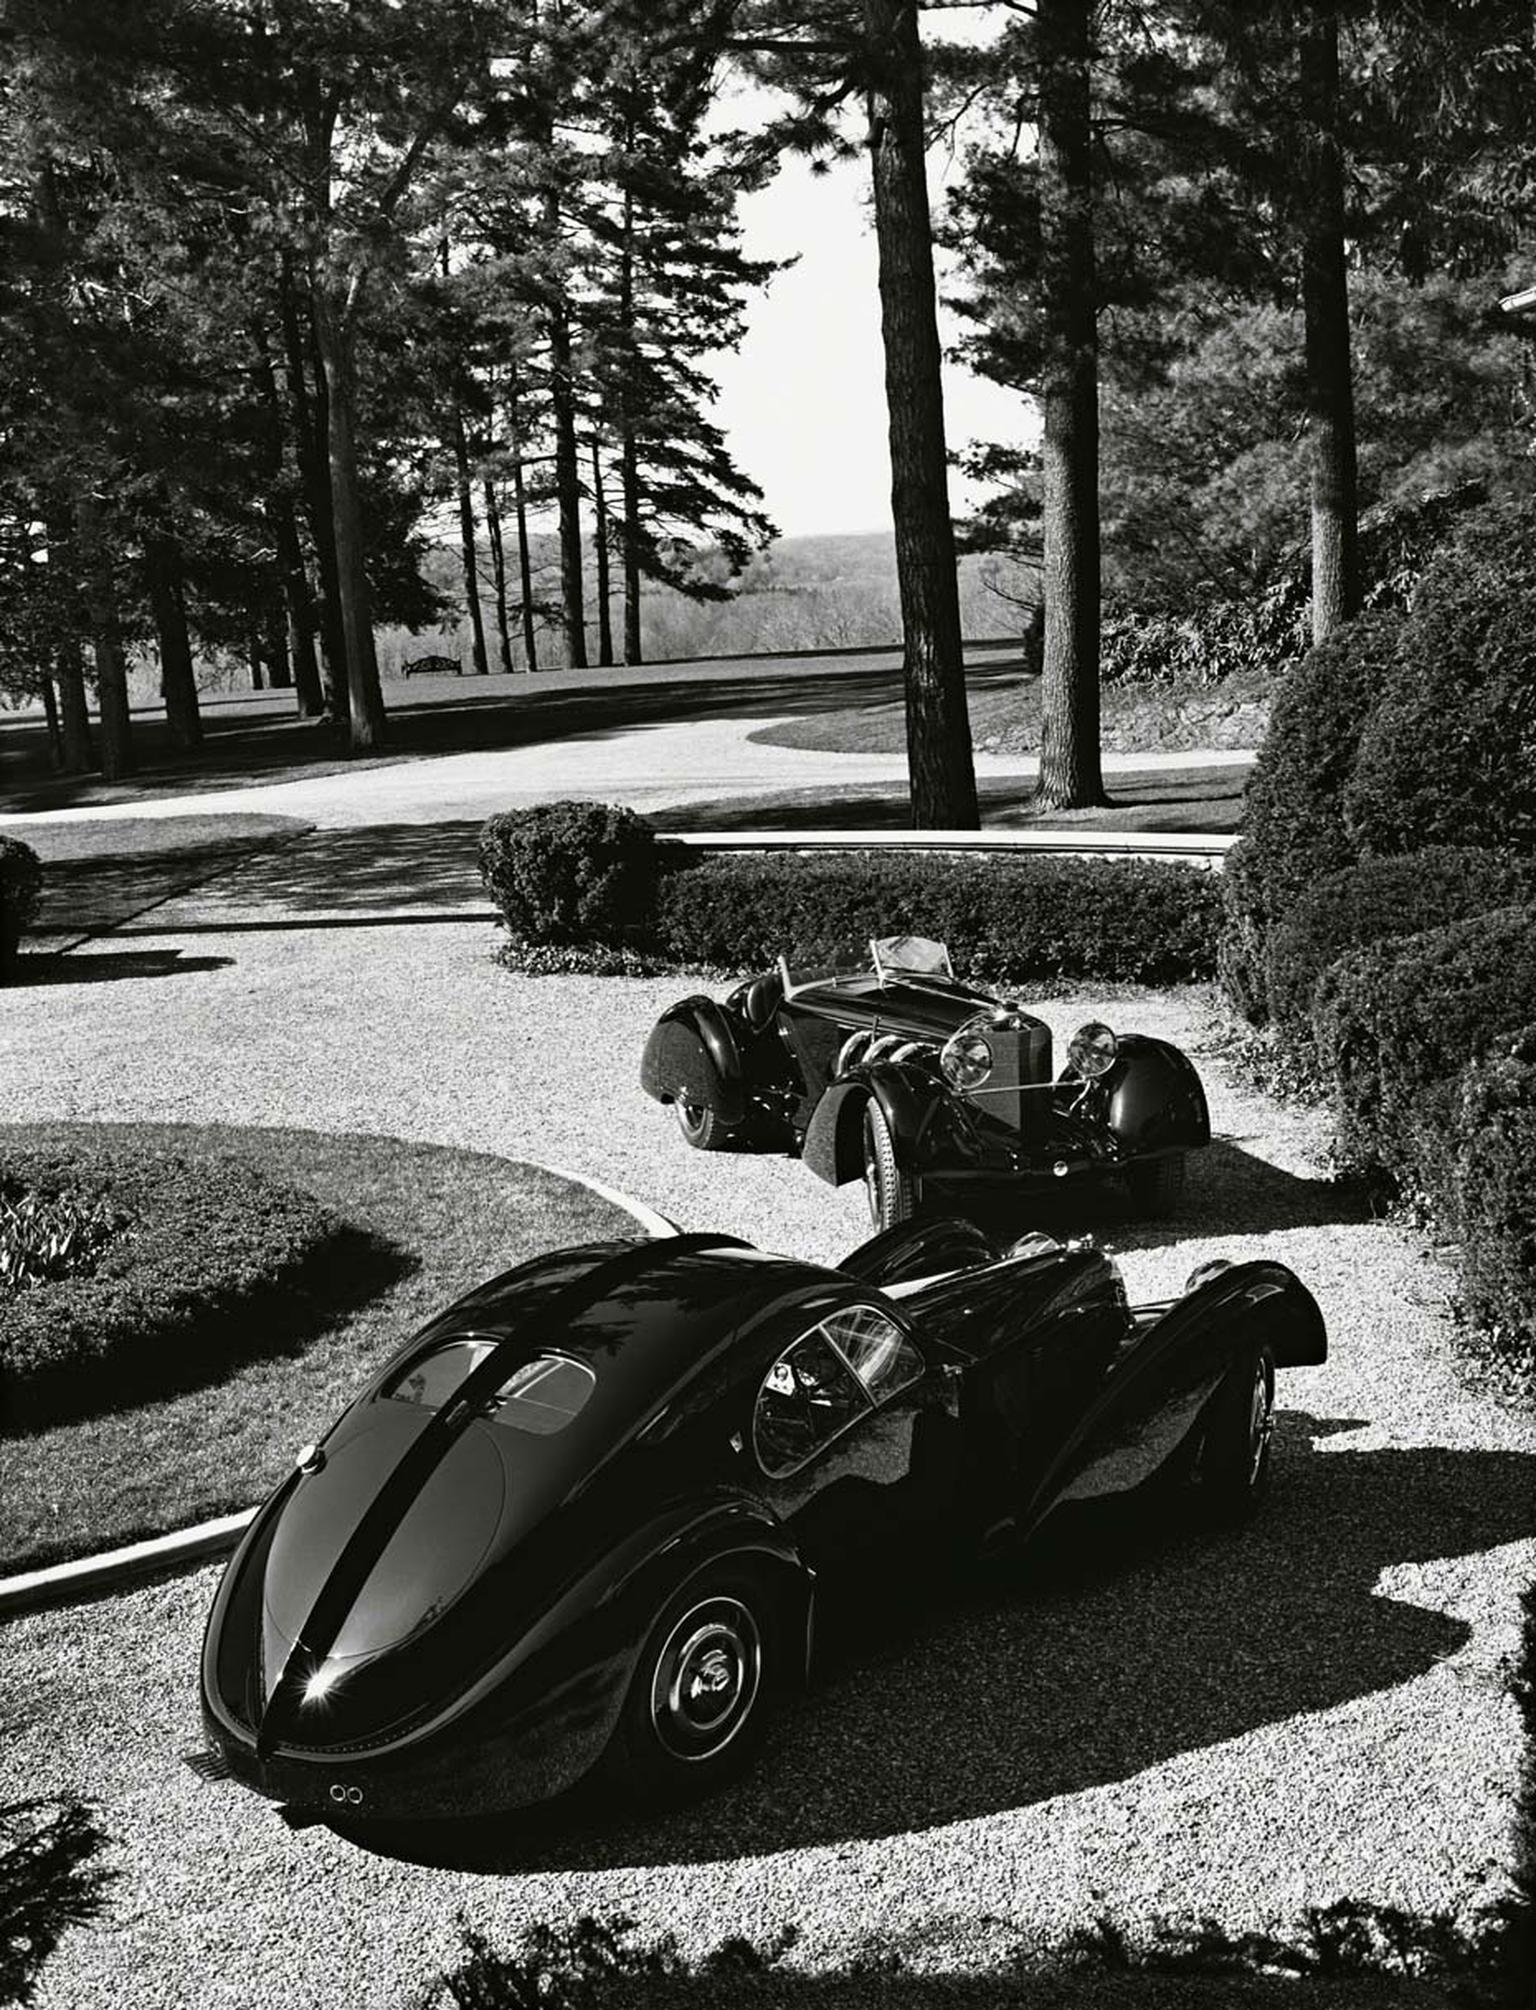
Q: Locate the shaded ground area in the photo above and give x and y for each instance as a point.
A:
(97, 875)
(258, 739)
(440, 1220)
(1168, 799)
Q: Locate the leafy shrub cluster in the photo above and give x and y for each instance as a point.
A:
(45, 1236)
(570, 872)
(1487, 1186)
(21, 878)
(210, 1260)
(1004, 918)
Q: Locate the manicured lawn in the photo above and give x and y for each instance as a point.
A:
(1159, 799)
(99, 873)
(455, 1217)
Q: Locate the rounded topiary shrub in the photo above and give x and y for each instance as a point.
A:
(1394, 1024)
(571, 872)
(1489, 1189)
(126, 1272)
(21, 878)
(1449, 755)
(1382, 897)
(1293, 827)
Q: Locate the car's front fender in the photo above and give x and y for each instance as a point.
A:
(693, 1055)
(1156, 1100)
(834, 1145)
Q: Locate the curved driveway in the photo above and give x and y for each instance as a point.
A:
(1235, 1727)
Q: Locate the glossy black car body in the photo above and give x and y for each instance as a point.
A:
(855, 1070)
(463, 1599)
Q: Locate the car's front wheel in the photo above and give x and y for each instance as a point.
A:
(1239, 1432)
(700, 1125)
(891, 1189)
(698, 1703)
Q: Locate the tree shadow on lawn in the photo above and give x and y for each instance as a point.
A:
(1198, 799)
(1123, 1640)
(521, 712)
(333, 873)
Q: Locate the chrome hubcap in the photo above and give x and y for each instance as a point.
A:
(706, 1679)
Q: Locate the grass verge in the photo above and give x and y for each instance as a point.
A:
(456, 1216)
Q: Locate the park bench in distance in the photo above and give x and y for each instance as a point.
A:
(430, 665)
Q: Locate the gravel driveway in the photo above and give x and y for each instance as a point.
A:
(1236, 1726)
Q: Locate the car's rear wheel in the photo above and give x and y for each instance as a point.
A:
(1157, 1185)
(892, 1191)
(700, 1125)
(1236, 1454)
(698, 1703)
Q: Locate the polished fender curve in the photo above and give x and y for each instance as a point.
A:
(1156, 1099)
(1156, 1394)
(834, 1140)
(693, 1055)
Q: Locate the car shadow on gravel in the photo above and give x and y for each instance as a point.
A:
(1116, 1644)
(1229, 1192)
(62, 967)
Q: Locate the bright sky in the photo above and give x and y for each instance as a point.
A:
(802, 402)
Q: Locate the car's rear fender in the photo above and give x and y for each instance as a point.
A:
(693, 1055)
(1156, 1101)
(1154, 1398)
(834, 1139)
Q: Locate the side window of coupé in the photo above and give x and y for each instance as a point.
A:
(832, 1377)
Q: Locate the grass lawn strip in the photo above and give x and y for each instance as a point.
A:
(73, 1489)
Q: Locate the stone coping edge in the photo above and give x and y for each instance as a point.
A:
(109, 1570)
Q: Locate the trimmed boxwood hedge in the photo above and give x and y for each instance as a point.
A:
(21, 878)
(209, 1263)
(1134, 921)
(1378, 898)
(1395, 1023)
(1486, 1188)
(570, 872)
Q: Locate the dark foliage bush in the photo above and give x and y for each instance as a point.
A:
(1293, 822)
(52, 1235)
(570, 872)
(1449, 755)
(1380, 897)
(21, 878)
(1485, 1184)
(211, 1262)
(1395, 1023)
(1108, 920)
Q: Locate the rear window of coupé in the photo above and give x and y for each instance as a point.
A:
(540, 1396)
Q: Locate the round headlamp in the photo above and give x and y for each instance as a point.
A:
(1092, 1050)
(966, 1058)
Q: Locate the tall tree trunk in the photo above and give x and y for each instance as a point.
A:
(298, 604)
(562, 394)
(498, 572)
(51, 721)
(629, 450)
(310, 422)
(600, 533)
(1071, 774)
(275, 646)
(107, 645)
(1325, 308)
(942, 773)
(365, 703)
(74, 712)
(520, 510)
(469, 561)
(178, 681)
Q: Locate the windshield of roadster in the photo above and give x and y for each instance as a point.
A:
(539, 1396)
(911, 953)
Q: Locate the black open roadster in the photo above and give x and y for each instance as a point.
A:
(898, 1072)
(592, 1514)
